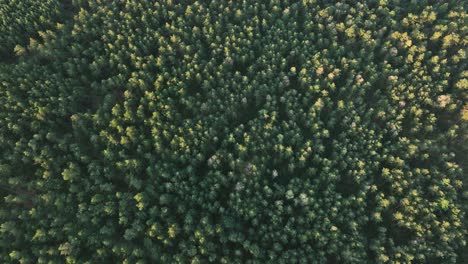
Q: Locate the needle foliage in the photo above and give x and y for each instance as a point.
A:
(233, 131)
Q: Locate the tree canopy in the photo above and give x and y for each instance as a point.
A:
(227, 131)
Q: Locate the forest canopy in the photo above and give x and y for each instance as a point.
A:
(292, 131)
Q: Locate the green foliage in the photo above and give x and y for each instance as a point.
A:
(23, 21)
(233, 131)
